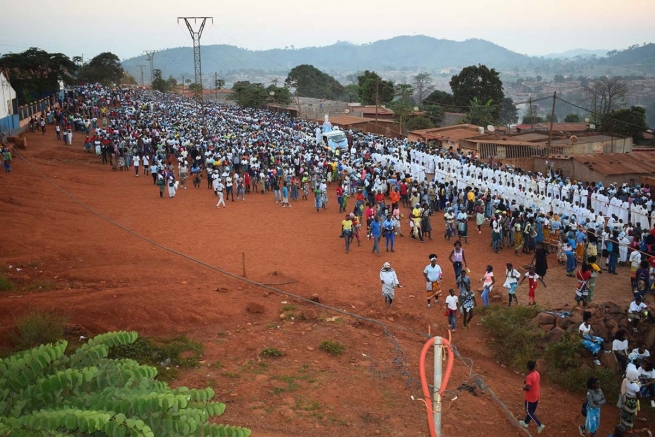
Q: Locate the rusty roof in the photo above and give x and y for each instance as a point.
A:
(619, 163)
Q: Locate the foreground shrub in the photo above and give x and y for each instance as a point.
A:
(38, 327)
(332, 347)
(44, 392)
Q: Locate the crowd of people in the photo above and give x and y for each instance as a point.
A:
(394, 185)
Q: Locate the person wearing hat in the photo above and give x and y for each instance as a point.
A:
(389, 281)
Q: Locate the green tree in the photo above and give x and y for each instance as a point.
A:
(370, 85)
(650, 115)
(219, 84)
(480, 114)
(626, 122)
(559, 78)
(402, 111)
(195, 87)
(312, 82)
(128, 79)
(281, 95)
(250, 95)
(533, 120)
(434, 113)
(158, 83)
(478, 82)
(35, 72)
(422, 83)
(104, 68)
(47, 393)
(572, 118)
(442, 98)
(419, 122)
(172, 82)
(509, 114)
(555, 119)
(405, 92)
(351, 93)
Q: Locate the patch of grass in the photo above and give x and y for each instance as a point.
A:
(514, 333)
(337, 421)
(41, 286)
(292, 385)
(332, 347)
(32, 264)
(271, 352)
(217, 365)
(271, 326)
(38, 327)
(287, 308)
(211, 383)
(166, 354)
(221, 334)
(5, 284)
(231, 375)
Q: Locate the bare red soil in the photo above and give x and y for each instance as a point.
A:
(105, 278)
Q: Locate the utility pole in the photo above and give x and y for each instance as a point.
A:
(275, 82)
(141, 66)
(195, 36)
(150, 54)
(552, 118)
(531, 116)
(182, 85)
(216, 85)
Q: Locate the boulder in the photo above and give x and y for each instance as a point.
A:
(309, 314)
(547, 328)
(315, 298)
(255, 308)
(546, 319)
(555, 335)
(563, 322)
(612, 328)
(542, 366)
(608, 360)
(649, 338)
(616, 310)
(600, 330)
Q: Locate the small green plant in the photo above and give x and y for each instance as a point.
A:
(231, 375)
(271, 352)
(38, 327)
(41, 286)
(5, 284)
(271, 326)
(217, 365)
(333, 347)
(565, 354)
(287, 308)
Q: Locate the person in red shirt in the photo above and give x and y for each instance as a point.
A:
(340, 197)
(395, 198)
(369, 213)
(532, 389)
(379, 199)
(404, 190)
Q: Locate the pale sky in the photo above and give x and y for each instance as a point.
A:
(127, 28)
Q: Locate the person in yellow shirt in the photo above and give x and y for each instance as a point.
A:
(347, 230)
(595, 271)
(470, 197)
(416, 218)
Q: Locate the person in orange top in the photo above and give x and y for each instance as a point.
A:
(395, 198)
(532, 389)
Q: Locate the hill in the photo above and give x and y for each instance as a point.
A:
(402, 52)
(570, 54)
(633, 55)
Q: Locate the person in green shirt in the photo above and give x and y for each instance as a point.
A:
(6, 158)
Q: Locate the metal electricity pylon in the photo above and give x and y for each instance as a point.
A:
(142, 66)
(195, 35)
(150, 54)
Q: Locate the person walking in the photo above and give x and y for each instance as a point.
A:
(452, 302)
(219, 192)
(532, 277)
(7, 159)
(532, 389)
(457, 258)
(629, 400)
(389, 281)
(468, 303)
(388, 225)
(511, 283)
(376, 235)
(488, 282)
(346, 230)
(136, 161)
(595, 399)
(432, 274)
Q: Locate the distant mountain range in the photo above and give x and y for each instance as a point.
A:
(408, 54)
(570, 54)
(403, 52)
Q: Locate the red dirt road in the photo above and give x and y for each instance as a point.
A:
(105, 278)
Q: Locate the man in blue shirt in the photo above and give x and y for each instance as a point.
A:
(389, 235)
(376, 234)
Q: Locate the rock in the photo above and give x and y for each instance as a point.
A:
(649, 338)
(616, 310)
(289, 401)
(309, 348)
(608, 360)
(600, 330)
(563, 322)
(255, 308)
(496, 298)
(364, 364)
(315, 298)
(612, 328)
(287, 413)
(547, 328)
(546, 319)
(309, 314)
(542, 366)
(555, 335)
(261, 378)
(258, 413)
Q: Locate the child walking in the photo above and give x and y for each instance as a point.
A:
(532, 284)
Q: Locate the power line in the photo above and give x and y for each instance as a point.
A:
(606, 116)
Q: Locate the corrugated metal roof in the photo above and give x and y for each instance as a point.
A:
(619, 163)
(532, 136)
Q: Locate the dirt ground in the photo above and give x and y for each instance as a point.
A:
(105, 278)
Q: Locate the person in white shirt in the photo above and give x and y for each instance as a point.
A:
(432, 274)
(637, 311)
(620, 348)
(647, 380)
(389, 281)
(511, 282)
(137, 161)
(452, 302)
(219, 188)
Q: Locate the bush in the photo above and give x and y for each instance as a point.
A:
(45, 392)
(332, 347)
(565, 354)
(5, 284)
(38, 327)
(514, 333)
(271, 352)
